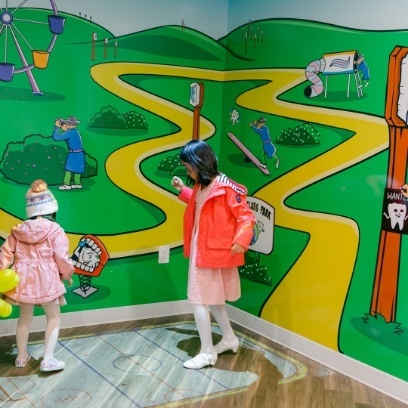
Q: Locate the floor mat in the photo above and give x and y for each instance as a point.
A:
(138, 368)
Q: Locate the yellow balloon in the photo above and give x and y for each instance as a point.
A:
(5, 309)
(8, 280)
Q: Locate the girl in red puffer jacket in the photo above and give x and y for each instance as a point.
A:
(218, 228)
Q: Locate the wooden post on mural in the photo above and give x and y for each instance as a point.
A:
(94, 36)
(246, 42)
(197, 100)
(384, 298)
(105, 48)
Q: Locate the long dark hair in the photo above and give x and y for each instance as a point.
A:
(200, 156)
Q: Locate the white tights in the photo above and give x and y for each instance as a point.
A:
(221, 317)
(203, 322)
(52, 313)
(23, 329)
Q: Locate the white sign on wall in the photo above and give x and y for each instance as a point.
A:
(265, 222)
(195, 90)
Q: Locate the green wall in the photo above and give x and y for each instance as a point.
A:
(131, 94)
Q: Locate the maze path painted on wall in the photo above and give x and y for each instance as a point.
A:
(290, 305)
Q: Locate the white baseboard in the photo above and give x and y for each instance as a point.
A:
(102, 316)
(379, 380)
(383, 382)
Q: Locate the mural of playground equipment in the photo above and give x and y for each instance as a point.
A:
(349, 63)
(19, 42)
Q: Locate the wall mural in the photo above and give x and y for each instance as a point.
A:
(315, 130)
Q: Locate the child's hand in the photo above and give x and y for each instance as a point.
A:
(237, 249)
(69, 280)
(177, 183)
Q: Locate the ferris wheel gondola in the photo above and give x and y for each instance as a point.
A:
(14, 37)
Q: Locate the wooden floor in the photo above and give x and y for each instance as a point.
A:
(139, 364)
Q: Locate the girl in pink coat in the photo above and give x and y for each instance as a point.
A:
(37, 250)
(218, 228)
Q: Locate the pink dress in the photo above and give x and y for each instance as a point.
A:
(209, 286)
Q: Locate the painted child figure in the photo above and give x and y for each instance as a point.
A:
(362, 67)
(218, 228)
(268, 148)
(37, 250)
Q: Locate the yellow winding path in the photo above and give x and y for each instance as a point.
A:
(314, 290)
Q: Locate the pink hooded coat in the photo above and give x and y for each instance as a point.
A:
(37, 250)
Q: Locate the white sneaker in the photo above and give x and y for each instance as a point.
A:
(64, 187)
(52, 365)
(22, 362)
(76, 186)
(262, 165)
(277, 163)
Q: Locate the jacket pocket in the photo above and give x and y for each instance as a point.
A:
(219, 243)
(217, 253)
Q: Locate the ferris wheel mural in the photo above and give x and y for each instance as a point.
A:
(27, 37)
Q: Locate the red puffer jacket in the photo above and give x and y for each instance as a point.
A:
(225, 220)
